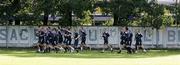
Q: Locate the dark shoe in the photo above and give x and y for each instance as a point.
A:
(119, 51)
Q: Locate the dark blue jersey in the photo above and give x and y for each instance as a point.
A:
(129, 36)
(46, 36)
(50, 35)
(123, 35)
(55, 35)
(60, 35)
(40, 33)
(105, 36)
(138, 37)
(83, 35)
(68, 34)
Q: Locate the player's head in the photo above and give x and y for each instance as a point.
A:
(106, 32)
(69, 28)
(126, 28)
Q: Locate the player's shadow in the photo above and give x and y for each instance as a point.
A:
(24, 52)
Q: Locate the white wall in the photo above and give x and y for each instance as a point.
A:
(23, 36)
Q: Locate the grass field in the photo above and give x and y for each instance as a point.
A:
(18, 56)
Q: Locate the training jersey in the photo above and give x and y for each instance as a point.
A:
(105, 36)
(138, 37)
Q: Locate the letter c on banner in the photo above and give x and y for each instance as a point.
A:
(23, 34)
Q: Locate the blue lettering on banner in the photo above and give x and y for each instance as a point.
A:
(23, 31)
(3, 33)
(171, 35)
(92, 35)
(13, 35)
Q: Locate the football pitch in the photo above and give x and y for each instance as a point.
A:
(22, 56)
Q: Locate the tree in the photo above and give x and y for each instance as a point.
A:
(155, 13)
(10, 8)
(125, 10)
(83, 9)
(45, 7)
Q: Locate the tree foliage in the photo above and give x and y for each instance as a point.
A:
(79, 12)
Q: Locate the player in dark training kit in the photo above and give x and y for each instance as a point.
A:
(83, 40)
(123, 41)
(138, 44)
(55, 40)
(128, 40)
(40, 34)
(105, 36)
(76, 40)
(49, 39)
(60, 46)
(68, 40)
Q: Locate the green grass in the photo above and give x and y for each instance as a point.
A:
(24, 52)
(24, 56)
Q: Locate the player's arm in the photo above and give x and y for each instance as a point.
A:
(78, 37)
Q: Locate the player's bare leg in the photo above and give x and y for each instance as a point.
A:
(107, 46)
(38, 47)
(71, 48)
(103, 50)
(120, 48)
(84, 46)
(61, 47)
(44, 46)
(142, 47)
(110, 47)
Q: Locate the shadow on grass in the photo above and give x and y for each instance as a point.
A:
(24, 52)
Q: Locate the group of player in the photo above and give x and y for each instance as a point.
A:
(126, 37)
(126, 41)
(59, 39)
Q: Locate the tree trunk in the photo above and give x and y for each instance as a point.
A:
(115, 20)
(10, 22)
(70, 17)
(45, 21)
(17, 22)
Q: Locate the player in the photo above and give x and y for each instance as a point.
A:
(128, 40)
(40, 33)
(55, 40)
(60, 45)
(68, 40)
(83, 39)
(123, 40)
(76, 41)
(49, 39)
(138, 44)
(105, 36)
(37, 33)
